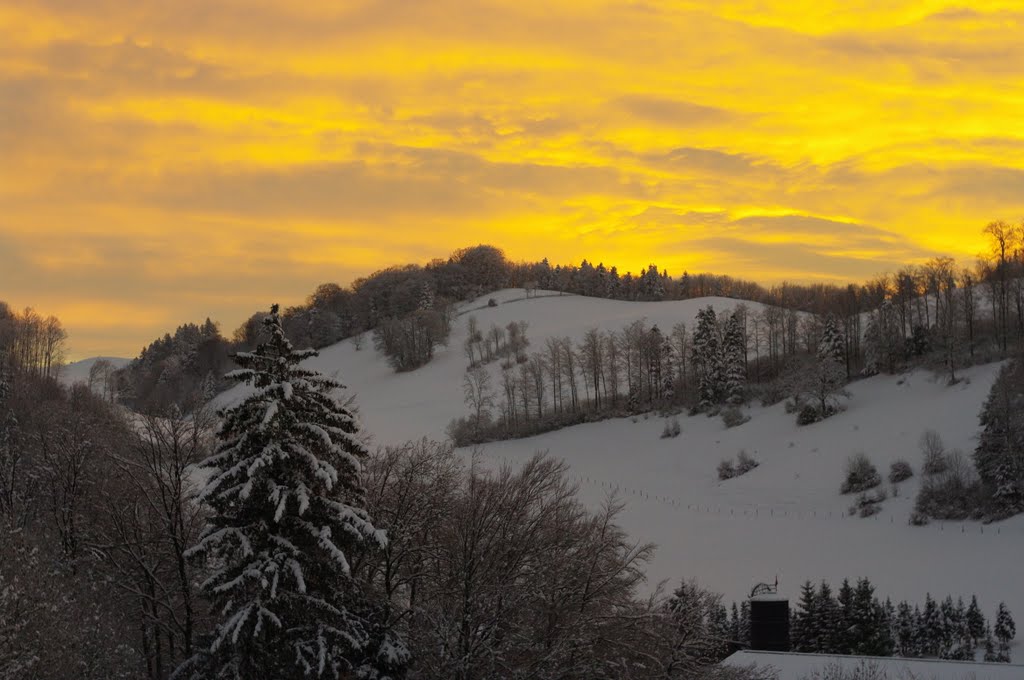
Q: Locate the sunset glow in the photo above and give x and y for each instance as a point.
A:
(165, 162)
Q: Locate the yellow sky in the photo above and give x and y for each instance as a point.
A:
(162, 162)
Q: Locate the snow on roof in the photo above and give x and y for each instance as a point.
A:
(794, 666)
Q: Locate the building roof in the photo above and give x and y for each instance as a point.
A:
(794, 666)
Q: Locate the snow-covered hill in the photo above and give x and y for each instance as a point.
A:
(784, 518)
(78, 371)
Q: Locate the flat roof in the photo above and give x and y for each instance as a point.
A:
(794, 666)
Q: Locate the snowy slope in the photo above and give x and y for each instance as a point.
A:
(396, 407)
(784, 518)
(78, 371)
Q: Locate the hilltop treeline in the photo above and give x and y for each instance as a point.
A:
(922, 309)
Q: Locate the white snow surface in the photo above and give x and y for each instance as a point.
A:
(796, 666)
(785, 518)
(78, 371)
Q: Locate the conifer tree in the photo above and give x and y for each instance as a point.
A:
(831, 618)
(832, 345)
(906, 631)
(948, 628)
(930, 628)
(735, 373)
(735, 627)
(287, 520)
(1005, 630)
(706, 358)
(975, 621)
(999, 456)
(846, 638)
(991, 655)
(744, 638)
(668, 370)
(806, 623)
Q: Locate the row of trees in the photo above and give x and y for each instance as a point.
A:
(30, 343)
(855, 621)
(640, 368)
(604, 374)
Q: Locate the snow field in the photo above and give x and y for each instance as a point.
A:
(785, 517)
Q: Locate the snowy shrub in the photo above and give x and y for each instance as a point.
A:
(744, 463)
(933, 450)
(869, 504)
(918, 519)
(868, 509)
(808, 415)
(460, 431)
(899, 471)
(861, 475)
(672, 428)
(773, 392)
(491, 302)
(733, 416)
(726, 470)
(865, 670)
(954, 494)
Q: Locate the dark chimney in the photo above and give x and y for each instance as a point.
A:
(769, 620)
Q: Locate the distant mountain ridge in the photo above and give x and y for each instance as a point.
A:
(78, 371)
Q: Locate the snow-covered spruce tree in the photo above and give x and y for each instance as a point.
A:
(706, 358)
(825, 385)
(287, 517)
(999, 456)
(668, 371)
(735, 372)
(806, 622)
(1005, 631)
(832, 345)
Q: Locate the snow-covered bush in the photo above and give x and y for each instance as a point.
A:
(491, 302)
(772, 392)
(953, 494)
(744, 464)
(867, 504)
(899, 471)
(861, 475)
(808, 415)
(726, 470)
(733, 417)
(672, 428)
(933, 451)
